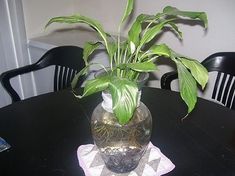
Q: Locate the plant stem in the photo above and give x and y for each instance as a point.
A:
(118, 50)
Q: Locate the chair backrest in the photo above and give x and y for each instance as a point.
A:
(224, 87)
(67, 60)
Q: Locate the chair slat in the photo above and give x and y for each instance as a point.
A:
(233, 102)
(226, 90)
(56, 78)
(230, 102)
(60, 79)
(216, 85)
(69, 76)
(221, 88)
(72, 75)
(64, 78)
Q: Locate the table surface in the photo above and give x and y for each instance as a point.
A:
(45, 132)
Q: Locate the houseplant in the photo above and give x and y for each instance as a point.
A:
(136, 55)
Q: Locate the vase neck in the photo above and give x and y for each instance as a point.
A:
(107, 102)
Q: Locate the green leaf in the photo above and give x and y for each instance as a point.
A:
(113, 49)
(82, 19)
(128, 10)
(96, 85)
(89, 48)
(77, 76)
(141, 67)
(176, 29)
(62, 19)
(193, 15)
(198, 71)
(124, 95)
(152, 32)
(161, 50)
(135, 30)
(188, 86)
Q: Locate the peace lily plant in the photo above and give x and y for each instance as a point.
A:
(135, 55)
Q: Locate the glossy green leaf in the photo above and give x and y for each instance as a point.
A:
(113, 49)
(161, 50)
(77, 76)
(193, 15)
(96, 85)
(89, 48)
(198, 71)
(82, 19)
(152, 32)
(135, 30)
(188, 86)
(176, 29)
(141, 67)
(128, 10)
(124, 95)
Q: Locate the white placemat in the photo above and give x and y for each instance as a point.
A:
(153, 163)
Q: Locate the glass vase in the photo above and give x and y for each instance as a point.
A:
(121, 146)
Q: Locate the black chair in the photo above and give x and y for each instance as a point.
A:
(224, 86)
(67, 60)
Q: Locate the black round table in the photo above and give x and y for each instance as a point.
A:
(45, 131)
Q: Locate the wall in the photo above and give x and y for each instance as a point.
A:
(37, 13)
(197, 43)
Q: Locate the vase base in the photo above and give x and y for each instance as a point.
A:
(124, 169)
(122, 160)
